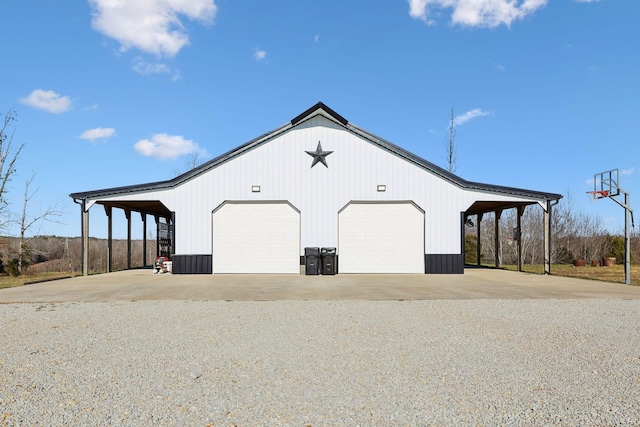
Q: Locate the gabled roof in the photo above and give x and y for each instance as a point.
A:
(318, 109)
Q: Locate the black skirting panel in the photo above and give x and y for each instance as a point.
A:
(192, 264)
(444, 264)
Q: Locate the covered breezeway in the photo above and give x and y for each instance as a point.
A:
(162, 216)
(480, 209)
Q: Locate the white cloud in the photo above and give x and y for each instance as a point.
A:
(477, 13)
(500, 67)
(152, 26)
(259, 54)
(163, 146)
(586, 1)
(465, 117)
(47, 100)
(316, 38)
(627, 171)
(97, 133)
(145, 68)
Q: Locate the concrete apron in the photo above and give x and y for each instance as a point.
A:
(475, 283)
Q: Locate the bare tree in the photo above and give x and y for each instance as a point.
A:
(533, 235)
(194, 160)
(8, 157)
(487, 240)
(452, 155)
(26, 221)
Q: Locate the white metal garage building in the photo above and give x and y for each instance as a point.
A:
(317, 181)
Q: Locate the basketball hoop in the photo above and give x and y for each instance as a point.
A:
(598, 194)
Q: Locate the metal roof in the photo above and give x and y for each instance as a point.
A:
(321, 108)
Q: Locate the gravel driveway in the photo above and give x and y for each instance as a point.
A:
(321, 363)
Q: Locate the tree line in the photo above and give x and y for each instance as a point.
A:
(45, 254)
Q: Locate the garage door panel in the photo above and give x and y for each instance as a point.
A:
(381, 238)
(256, 238)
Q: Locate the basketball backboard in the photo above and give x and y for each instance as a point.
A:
(606, 184)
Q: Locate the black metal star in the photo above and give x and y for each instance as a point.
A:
(319, 156)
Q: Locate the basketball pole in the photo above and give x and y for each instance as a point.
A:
(628, 220)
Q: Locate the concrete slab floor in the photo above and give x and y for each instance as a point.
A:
(475, 283)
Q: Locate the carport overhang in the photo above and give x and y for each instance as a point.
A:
(145, 207)
(546, 202)
(479, 208)
(154, 208)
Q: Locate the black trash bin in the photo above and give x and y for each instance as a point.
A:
(328, 261)
(312, 261)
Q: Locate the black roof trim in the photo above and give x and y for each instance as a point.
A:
(382, 143)
(319, 106)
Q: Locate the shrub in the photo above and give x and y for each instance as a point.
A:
(12, 267)
(616, 248)
(470, 249)
(564, 256)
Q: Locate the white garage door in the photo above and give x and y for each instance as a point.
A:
(381, 238)
(256, 238)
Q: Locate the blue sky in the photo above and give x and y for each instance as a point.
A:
(112, 93)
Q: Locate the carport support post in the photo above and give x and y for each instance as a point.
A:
(157, 235)
(547, 239)
(478, 248)
(497, 237)
(144, 238)
(519, 235)
(85, 238)
(127, 214)
(109, 212)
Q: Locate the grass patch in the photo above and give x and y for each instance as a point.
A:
(7, 281)
(614, 274)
